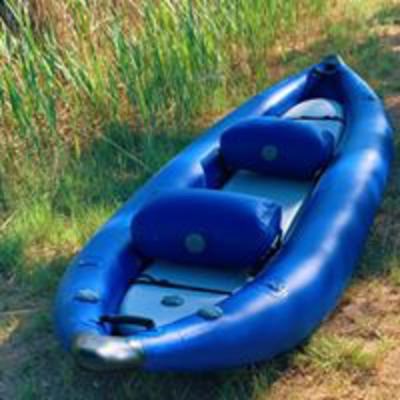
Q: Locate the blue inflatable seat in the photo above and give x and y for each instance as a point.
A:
(206, 227)
(277, 147)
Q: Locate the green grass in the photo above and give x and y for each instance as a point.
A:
(85, 123)
(331, 352)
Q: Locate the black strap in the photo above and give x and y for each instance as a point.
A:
(315, 118)
(128, 319)
(147, 279)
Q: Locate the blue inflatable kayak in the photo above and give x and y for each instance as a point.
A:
(243, 243)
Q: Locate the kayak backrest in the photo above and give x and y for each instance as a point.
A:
(296, 145)
(277, 147)
(322, 113)
(206, 227)
(316, 108)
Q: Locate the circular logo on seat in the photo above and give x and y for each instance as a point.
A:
(195, 243)
(269, 153)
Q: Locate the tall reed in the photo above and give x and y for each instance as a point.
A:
(78, 65)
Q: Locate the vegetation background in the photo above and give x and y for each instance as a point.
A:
(95, 96)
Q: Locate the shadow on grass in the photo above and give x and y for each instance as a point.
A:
(31, 264)
(114, 166)
(46, 372)
(88, 191)
(388, 16)
(104, 177)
